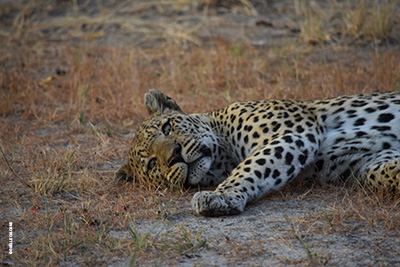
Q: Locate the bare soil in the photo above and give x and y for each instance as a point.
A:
(72, 79)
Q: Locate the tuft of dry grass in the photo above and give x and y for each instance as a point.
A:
(49, 177)
(365, 21)
(382, 20)
(354, 17)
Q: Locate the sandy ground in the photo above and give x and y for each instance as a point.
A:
(285, 233)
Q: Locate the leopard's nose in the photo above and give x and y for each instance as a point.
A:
(176, 156)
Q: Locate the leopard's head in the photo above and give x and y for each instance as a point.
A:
(170, 148)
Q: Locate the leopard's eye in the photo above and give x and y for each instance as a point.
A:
(152, 163)
(166, 128)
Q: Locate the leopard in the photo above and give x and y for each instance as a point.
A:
(250, 149)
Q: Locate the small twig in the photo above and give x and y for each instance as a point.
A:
(11, 168)
(8, 163)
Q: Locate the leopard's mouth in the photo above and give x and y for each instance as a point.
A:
(189, 173)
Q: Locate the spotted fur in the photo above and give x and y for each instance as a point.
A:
(250, 149)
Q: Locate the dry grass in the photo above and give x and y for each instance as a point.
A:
(68, 110)
(364, 21)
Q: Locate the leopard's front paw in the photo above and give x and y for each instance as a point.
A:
(211, 204)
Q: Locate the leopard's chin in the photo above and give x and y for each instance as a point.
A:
(197, 172)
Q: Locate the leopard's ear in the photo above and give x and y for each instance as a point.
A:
(157, 102)
(124, 173)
